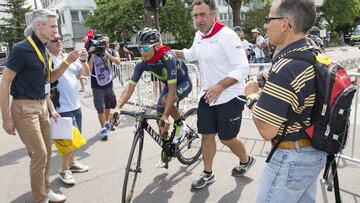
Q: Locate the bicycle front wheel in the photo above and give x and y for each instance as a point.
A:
(190, 146)
(132, 169)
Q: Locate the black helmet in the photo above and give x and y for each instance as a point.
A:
(147, 35)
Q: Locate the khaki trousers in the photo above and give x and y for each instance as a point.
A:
(31, 119)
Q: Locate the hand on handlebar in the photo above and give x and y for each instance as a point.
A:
(115, 117)
(164, 125)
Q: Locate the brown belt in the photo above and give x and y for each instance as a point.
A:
(293, 144)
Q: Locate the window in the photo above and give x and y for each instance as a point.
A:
(84, 15)
(62, 18)
(75, 16)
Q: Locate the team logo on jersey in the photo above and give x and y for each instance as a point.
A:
(167, 57)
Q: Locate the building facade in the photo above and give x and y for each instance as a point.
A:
(72, 15)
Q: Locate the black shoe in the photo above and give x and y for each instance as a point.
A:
(241, 169)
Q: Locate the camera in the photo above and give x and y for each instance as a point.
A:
(261, 80)
(99, 45)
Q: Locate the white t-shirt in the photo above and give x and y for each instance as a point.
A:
(220, 56)
(259, 53)
(68, 86)
(245, 44)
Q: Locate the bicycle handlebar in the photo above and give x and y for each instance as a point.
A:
(140, 114)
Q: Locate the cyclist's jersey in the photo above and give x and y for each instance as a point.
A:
(168, 69)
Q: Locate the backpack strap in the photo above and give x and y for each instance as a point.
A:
(276, 145)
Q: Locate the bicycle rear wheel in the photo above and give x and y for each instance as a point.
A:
(132, 169)
(190, 147)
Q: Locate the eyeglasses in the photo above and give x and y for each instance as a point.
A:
(267, 19)
(145, 47)
(56, 39)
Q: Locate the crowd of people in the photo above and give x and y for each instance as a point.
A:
(290, 175)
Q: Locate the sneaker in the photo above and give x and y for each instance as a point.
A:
(77, 167)
(109, 127)
(180, 133)
(162, 164)
(66, 177)
(241, 169)
(53, 197)
(104, 134)
(203, 180)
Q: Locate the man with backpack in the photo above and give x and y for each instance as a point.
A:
(285, 106)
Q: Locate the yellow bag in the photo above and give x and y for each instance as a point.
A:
(65, 146)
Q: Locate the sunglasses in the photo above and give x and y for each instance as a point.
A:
(56, 39)
(267, 19)
(145, 47)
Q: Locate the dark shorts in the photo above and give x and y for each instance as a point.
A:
(224, 119)
(182, 90)
(104, 99)
(76, 116)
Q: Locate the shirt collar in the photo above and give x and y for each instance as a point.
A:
(297, 44)
(37, 40)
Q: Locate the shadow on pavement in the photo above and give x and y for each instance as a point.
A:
(11, 158)
(24, 198)
(160, 189)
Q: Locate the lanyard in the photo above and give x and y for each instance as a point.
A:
(41, 56)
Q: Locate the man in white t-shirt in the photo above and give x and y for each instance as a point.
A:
(223, 66)
(259, 47)
(69, 104)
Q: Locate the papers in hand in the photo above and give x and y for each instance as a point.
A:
(62, 129)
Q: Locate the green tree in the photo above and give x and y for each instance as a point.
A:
(340, 13)
(236, 8)
(116, 18)
(12, 30)
(175, 18)
(120, 18)
(255, 19)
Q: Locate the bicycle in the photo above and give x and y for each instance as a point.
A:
(187, 150)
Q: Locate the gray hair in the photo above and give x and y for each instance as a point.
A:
(301, 13)
(28, 31)
(42, 15)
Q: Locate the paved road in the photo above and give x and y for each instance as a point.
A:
(103, 183)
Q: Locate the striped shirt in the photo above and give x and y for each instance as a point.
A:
(290, 90)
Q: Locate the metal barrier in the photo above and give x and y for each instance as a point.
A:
(147, 93)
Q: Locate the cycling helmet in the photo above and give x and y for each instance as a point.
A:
(147, 36)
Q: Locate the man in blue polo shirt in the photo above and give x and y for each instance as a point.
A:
(28, 73)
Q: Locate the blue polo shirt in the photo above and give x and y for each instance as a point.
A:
(31, 74)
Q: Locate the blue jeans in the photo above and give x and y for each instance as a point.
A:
(76, 116)
(260, 60)
(291, 176)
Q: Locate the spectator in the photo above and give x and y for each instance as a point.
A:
(260, 44)
(102, 85)
(28, 73)
(66, 75)
(244, 42)
(224, 67)
(287, 100)
(129, 54)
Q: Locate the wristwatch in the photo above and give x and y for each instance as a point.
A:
(250, 102)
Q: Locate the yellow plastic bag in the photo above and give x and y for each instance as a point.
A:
(65, 146)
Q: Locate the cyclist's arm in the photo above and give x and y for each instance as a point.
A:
(170, 99)
(125, 95)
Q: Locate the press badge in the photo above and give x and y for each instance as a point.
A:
(47, 88)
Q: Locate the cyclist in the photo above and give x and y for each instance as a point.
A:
(162, 63)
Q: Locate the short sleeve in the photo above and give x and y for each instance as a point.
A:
(13, 61)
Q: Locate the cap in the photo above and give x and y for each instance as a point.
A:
(256, 30)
